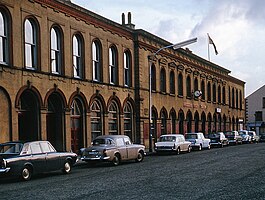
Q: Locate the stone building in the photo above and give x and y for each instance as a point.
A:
(68, 75)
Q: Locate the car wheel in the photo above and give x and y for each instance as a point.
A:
(140, 157)
(116, 160)
(189, 149)
(26, 173)
(178, 151)
(67, 167)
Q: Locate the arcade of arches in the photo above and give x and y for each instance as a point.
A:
(75, 123)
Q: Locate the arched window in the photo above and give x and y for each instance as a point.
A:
(163, 123)
(31, 45)
(181, 122)
(163, 80)
(56, 50)
(128, 121)
(172, 82)
(173, 119)
(96, 119)
(219, 94)
(4, 37)
(240, 100)
(224, 96)
(153, 78)
(189, 122)
(214, 92)
(203, 90)
(236, 99)
(229, 93)
(180, 85)
(113, 119)
(233, 98)
(113, 65)
(196, 121)
(96, 59)
(127, 68)
(188, 87)
(209, 98)
(77, 56)
(196, 86)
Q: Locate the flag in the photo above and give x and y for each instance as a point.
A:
(211, 42)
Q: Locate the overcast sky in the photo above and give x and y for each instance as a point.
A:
(237, 28)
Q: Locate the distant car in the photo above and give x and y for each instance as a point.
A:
(218, 139)
(26, 159)
(172, 143)
(198, 141)
(246, 138)
(233, 137)
(254, 137)
(114, 149)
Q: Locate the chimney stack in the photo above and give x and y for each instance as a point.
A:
(129, 24)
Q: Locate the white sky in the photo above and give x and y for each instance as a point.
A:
(237, 28)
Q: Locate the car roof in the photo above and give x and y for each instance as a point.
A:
(171, 135)
(111, 136)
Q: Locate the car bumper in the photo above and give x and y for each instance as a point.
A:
(6, 170)
(88, 159)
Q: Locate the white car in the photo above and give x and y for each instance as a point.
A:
(246, 138)
(172, 142)
(198, 140)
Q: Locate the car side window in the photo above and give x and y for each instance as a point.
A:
(26, 150)
(35, 148)
(127, 141)
(120, 142)
(46, 147)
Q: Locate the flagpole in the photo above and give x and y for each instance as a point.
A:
(208, 47)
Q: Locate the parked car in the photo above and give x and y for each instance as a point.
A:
(233, 137)
(198, 141)
(262, 137)
(254, 137)
(114, 149)
(246, 138)
(218, 139)
(172, 143)
(26, 159)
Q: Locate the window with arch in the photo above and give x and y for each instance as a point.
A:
(188, 86)
(236, 99)
(127, 68)
(113, 65)
(4, 37)
(219, 94)
(56, 50)
(180, 84)
(96, 60)
(31, 43)
(203, 90)
(209, 92)
(172, 82)
(96, 119)
(173, 119)
(240, 100)
(233, 98)
(128, 120)
(214, 92)
(153, 77)
(163, 80)
(224, 96)
(196, 86)
(163, 122)
(229, 96)
(113, 119)
(77, 56)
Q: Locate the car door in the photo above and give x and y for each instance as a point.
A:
(182, 143)
(122, 148)
(131, 149)
(37, 158)
(53, 160)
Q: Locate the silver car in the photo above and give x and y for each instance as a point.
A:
(114, 149)
(172, 142)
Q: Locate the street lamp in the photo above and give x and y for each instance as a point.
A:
(174, 46)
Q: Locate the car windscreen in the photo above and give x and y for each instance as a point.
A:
(191, 136)
(10, 148)
(103, 141)
(214, 135)
(167, 139)
(230, 133)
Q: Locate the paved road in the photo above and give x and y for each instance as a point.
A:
(235, 172)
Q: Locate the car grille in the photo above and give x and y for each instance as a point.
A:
(165, 147)
(92, 154)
